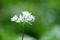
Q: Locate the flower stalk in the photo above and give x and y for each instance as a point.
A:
(23, 31)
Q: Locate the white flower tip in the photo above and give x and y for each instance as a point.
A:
(14, 18)
(25, 12)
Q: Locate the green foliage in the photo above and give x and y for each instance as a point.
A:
(47, 13)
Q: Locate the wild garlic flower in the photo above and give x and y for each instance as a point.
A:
(25, 16)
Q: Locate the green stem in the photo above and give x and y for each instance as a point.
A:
(23, 31)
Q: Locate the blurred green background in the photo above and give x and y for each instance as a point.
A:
(45, 27)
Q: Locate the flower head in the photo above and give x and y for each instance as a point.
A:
(25, 16)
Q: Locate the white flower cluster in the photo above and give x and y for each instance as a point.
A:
(25, 16)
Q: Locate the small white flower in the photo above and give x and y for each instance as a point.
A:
(31, 18)
(26, 13)
(14, 18)
(24, 17)
(21, 18)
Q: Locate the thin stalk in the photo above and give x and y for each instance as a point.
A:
(23, 31)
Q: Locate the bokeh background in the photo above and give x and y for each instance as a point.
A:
(45, 27)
